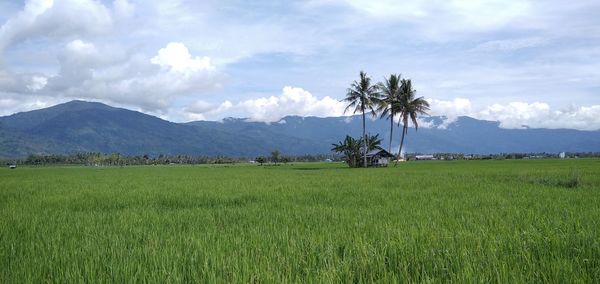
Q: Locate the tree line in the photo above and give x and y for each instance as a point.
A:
(116, 159)
(392, 98)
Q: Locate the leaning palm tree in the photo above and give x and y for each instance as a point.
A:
(411, 108)
(389, 104)
(363, 97)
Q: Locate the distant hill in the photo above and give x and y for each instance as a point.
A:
(80, 126)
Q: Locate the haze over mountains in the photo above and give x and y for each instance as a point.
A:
(79, 126)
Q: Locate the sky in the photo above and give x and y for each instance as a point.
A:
(524, 63)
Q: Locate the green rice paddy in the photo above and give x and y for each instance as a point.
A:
(463, 221)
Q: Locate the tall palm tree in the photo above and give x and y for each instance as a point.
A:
(363, 97)
(411, 107)
(389, 104)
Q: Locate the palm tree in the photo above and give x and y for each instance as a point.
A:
(373, 142)
(363, 97)
(389, 106)
(411, 107)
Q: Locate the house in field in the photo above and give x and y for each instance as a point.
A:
(379, 158)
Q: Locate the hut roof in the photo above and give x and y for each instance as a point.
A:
(380, 152)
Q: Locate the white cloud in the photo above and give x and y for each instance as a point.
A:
(437, 19)
(11, 103)
(151, 84)
(91, 72)
(80, 47)
(201, 110)
(450, 109)
(520, 114)
(21, 83)
(297, 101)
(37, 83)
(117, 51)
(541, 115)
(292, 101)
(177, 58)
(58, 19)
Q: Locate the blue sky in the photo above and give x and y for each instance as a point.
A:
(519, 62)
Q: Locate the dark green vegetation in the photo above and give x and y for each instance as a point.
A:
(471, 221)
(350, 149)
(78, 126)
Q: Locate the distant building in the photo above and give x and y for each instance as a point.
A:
(424, 157)
(379, 158)
(12, 167)
(328, 160)
(562, 155)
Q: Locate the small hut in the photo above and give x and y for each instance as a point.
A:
(379, 158)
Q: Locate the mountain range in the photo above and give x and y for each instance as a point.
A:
(80, 126)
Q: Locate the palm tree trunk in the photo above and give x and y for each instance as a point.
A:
(404, 130)
(391, 131)
(364, 137)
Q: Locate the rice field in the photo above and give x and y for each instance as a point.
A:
(461, 221)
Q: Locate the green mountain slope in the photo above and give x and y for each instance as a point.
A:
(80, 126)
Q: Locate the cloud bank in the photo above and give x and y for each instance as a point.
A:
(291, 101)
(520, 62)
(520, 114)
(297, 101)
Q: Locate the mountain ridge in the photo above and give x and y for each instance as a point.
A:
(80, 126)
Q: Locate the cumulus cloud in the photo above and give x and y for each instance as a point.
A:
(151, 84)
(541, 115)
(37, 83)
(176, 57)
(60, 18)
(292, 101)
(160, 55)
(452, 108)
(26, 83)
(201, 110)
(90, 72)
(11, 103)
(519, 114)
(297, 101)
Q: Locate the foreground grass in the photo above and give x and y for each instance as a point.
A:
(484, 221)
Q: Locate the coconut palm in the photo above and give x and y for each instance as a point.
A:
(373, 142)
(363, 97)
(389, 104)
(411, 107)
